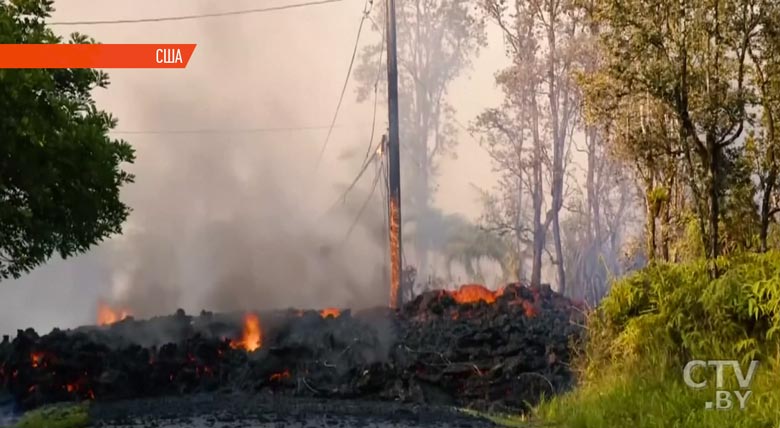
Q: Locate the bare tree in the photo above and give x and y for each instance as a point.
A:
(541, 37)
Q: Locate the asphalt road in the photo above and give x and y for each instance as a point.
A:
(252, 411)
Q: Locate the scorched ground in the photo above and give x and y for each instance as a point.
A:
(475, 348)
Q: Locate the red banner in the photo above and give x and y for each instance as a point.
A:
(96, 56)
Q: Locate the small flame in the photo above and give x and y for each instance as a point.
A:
(471, 293)
(530, 309)
(330, 312)
(36, 358)
(70, 387)
(281, 375)
(107, 315)
(252, 337)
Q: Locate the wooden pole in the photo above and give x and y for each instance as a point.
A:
(394, 162)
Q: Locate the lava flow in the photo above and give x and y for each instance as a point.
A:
(279, 376)
(107, 315)
(35, 359)
(252, 337)
(471, 293)
(330, 312)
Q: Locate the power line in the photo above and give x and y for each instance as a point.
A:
(343, 197)
(198, 16)
(222, 131)
(377, 176)
(371, 150)
(366, 11)
(376, 92)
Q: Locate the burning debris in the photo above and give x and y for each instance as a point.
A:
(472, 293)
(107, 315)
(252, 336)
(471, 347)
(330, 312)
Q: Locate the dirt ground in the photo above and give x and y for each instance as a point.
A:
(254, 411)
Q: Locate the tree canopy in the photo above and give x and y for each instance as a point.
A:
(60, 171)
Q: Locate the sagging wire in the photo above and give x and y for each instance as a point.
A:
(366, 13)
(378, 174)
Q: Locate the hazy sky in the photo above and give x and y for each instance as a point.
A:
(215, 210)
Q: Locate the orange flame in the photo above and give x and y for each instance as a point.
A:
(281, 375)
(107, 315)
(471, 293)
(252, 337)
(530, 309)
(330, 312)
(395, 253)
(36, 358)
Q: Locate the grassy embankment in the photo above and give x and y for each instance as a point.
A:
(56, 416)
(653, 323)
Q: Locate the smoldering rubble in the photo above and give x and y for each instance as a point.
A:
(473, 347)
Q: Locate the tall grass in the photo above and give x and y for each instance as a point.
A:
(652, 323)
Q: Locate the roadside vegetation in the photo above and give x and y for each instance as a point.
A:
(655, 321)
(56, 416)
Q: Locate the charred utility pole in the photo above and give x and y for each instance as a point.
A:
(394, 162)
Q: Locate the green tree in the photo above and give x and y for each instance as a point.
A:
(691, 57)
(763, 145)
(60, 172)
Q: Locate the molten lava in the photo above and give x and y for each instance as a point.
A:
(107, 315)
(252, 337)
(36, 358)
(281, 375)
(471, 293)
(330, 312)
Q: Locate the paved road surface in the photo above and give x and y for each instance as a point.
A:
(242, 411)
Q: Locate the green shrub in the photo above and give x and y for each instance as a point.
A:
(655, 321)
(674, 312)
(56, 416)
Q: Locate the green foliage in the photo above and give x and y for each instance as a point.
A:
(658, 319)
(60, 172)
(647, 400)
(670, 93)
(740, 213)
(678, 305)
(56, 416)
(690, 245)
